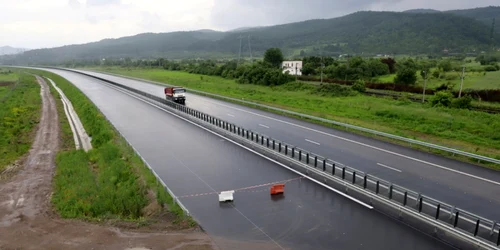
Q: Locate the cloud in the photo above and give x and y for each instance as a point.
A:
(102, 2)
(74, 4)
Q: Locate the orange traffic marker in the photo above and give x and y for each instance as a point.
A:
(277, 189)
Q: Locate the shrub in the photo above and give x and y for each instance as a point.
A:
(462, 102)
(359, 86)
(490, 68)
(441, 99)
(451, 77)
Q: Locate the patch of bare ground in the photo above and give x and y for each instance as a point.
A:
(28, 222)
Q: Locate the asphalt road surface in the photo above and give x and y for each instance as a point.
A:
(464, 185)
(194, 162)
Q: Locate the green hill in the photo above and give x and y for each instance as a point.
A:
(484, 15)
(361, 32)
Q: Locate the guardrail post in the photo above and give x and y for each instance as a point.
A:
(252, 136)
(257, 138)
(418, 198)
(343, 173)
(267, 142)
(274, 144)
(300, 155)
(324, 165)
(498, 240)
(477, 228)
(286, 149)
(452, 210)
(333, 169)
(493, 228)
(390, 192)
(437, 211)
(293, 152)
(279, 147)
(353, 177)
(405, 198)
(315, 161)
(238, 130)
(420, 203)
(377, 188)
(455, 223)
(365, 178)
(261, 140)
(246, 131)
(307, 158)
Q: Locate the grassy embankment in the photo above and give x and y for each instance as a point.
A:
(463, 129)
(19, 115)
(110, 182)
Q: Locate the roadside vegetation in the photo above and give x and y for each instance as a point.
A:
(19, 115)
(459, 128)
(110, 182)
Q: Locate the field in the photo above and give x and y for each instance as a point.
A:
(7, 76)
(19, 114)
(463, 129)
(472, 80)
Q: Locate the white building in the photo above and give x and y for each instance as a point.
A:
(293, 67)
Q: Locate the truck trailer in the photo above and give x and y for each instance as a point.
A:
(175, 94)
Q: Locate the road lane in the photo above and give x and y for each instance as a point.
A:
(193, 161)
(471, 188)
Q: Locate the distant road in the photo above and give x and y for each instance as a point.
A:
(467, 186)
(194, 162)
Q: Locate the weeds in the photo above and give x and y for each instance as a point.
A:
(19, 114)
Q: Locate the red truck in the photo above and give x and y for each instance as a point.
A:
(176, 94)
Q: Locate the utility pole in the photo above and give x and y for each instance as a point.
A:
(461, 82)
(322, 69)
(239, 54)
(425, 85)
(250, 48)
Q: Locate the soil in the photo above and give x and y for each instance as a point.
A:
(27, 220)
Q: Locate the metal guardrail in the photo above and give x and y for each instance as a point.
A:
(460, 220)
(348, 126)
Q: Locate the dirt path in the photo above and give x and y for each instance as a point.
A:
(26, 218)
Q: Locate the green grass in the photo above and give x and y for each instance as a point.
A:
(19, 115)
(108, 182)
(7, 76)
(467, 130)
(472, 80)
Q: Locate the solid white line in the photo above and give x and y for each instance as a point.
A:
(313, 142)
(385, 166)
(230, 115)
(249, 149)
(263, 126)
(363, 144)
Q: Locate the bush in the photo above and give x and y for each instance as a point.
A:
(490, 68)
(462, 102)
(451, 77)
(359, 86)
(441, 99)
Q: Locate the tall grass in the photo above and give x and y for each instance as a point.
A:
(110, 181)
(19, 115)
(467, 130)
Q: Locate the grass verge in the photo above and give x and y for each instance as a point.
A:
(462, 129)
(19, 115)
(110, 182)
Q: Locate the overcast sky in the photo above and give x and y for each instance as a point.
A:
(50, 23)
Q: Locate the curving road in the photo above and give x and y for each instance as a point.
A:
(195, 161)
(457, 183)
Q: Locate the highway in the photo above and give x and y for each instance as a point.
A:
(193, 162)
(467, 186)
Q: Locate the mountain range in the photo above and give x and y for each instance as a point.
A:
(366, 32)
(7, 50)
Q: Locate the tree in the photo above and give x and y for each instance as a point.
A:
(406, 75)
(390, 63)
(274, 57)
(445, 65)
